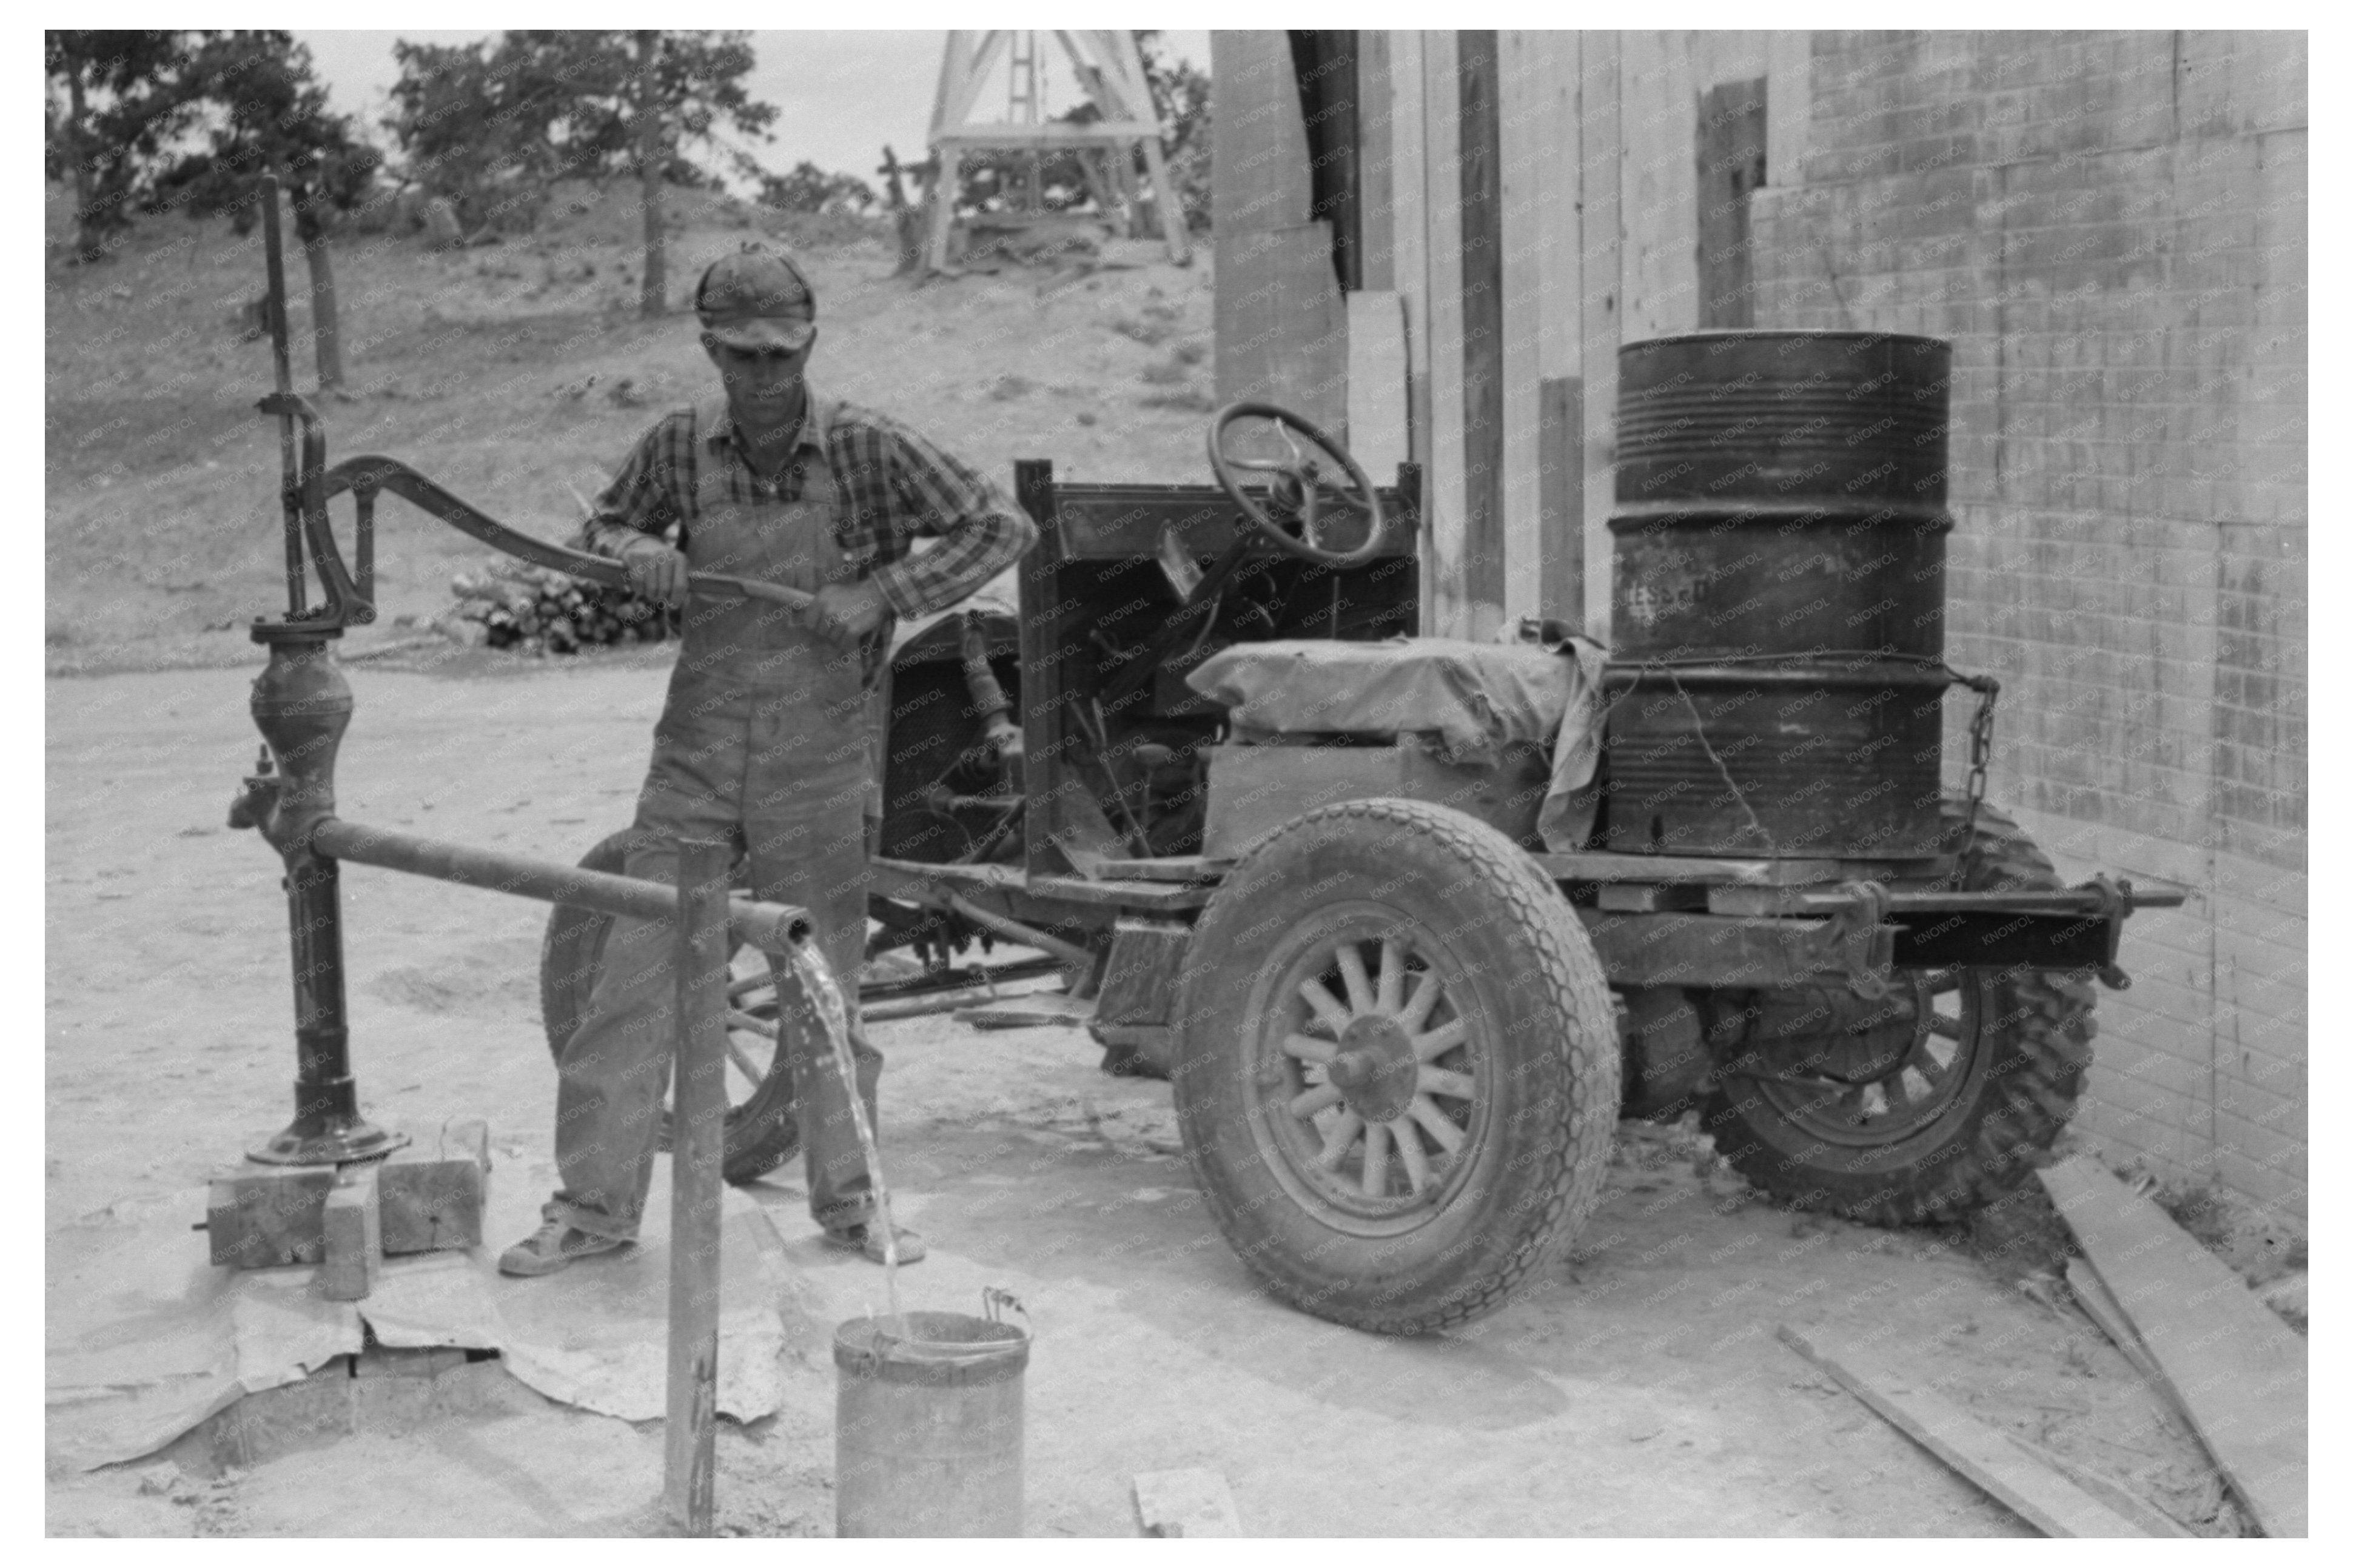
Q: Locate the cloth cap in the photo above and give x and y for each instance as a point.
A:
(757, 299)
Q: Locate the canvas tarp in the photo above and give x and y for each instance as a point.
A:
(1470, 699)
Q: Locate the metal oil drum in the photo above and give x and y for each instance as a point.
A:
(1777, 622)
(1780, 493)
(928, 1426)
(1819, 758)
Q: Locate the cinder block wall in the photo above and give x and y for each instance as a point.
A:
(2110, 227)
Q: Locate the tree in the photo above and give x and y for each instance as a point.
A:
(267, 113)
(1180, 97)
(807, 188)
(543, 104)
(125, 97)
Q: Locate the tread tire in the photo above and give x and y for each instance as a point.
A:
(2038, 1024)
(1538, 1149)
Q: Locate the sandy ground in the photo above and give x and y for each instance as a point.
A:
(1637, 1390)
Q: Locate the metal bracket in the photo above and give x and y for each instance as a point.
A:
(2116, 906)
(1864, 939)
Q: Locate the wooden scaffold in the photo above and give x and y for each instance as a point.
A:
(1109, 70)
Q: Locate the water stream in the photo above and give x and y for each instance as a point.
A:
(817, 982)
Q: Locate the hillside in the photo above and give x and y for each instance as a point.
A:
(517, 374)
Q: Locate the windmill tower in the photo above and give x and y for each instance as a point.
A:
(1112, 74)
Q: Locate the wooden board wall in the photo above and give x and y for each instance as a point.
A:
(1280, 332)
(1596, 198)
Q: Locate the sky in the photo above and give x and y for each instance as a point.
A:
(839, 95)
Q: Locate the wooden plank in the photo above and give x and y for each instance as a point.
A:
(974, 73)
(1789, 105)
(2102, 1308)
(1257, 138)
(2043, 1497)
(1377, 383)
(1555, 188)
(1480, 235)
(2151, 1518)
(1660, 205)
(1410, 236)
(1600, 246)
(1445, 600)
(2239, 1373)
(1602, 865)
(1282, 330)
(1376, 160)
(1560, 500)
(353, 1237)
(1523, 157)
(1730, 147)
(954, 60)
(1101, 133)
(1188, 1504)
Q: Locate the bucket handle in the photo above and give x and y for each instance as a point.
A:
(996, 1299)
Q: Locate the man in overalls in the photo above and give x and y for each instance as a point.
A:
(766, 736)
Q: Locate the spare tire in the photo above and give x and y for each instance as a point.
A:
(1983, 1073)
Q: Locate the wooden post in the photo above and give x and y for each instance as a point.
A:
(698, 1112)
(947, 155)
(1166, 202)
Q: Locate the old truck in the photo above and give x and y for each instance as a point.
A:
(1409, 923)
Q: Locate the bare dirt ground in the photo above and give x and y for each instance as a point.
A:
(1637, 1390)
(518, 374)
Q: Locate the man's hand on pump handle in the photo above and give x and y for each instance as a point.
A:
(843, 612)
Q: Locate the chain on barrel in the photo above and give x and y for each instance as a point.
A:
(1779, 594)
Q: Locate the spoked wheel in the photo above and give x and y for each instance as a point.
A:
(1933, 1101)
(1371, 1094)
(1908, 1085)
(1397, 1073)
(763, 1130)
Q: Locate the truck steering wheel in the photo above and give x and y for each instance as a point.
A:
(1300, 486)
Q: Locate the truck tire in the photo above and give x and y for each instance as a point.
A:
(1995, 1060)
(1396, 1068)
(762, 1128)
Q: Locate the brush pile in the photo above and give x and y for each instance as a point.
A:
(538, 611)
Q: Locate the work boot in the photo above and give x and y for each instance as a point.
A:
(866, 1240)
(553, 1246)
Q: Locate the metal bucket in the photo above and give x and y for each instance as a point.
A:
(927, 1425)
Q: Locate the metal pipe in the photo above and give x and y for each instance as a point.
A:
(698, 1114)
(288, 497)
(768, 927)
(1028, 935)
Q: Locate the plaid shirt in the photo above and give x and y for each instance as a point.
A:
(896, 487)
